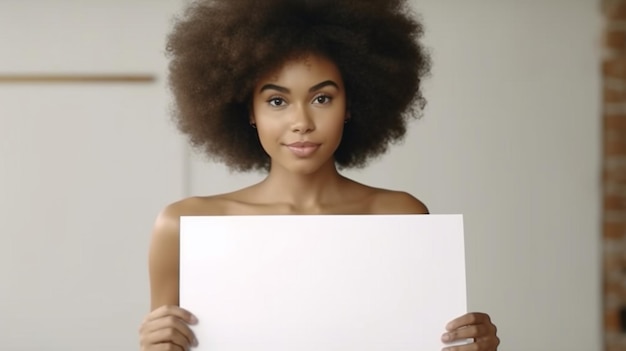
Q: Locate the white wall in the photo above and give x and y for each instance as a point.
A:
(84, 169)
(511, 139)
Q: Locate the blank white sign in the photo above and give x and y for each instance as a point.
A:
(285, 283)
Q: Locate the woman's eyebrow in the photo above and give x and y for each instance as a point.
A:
(323, 84)
(287, 91)
(274, 87)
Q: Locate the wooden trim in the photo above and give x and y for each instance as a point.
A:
(76, 78)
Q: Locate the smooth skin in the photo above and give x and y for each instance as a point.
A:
(302, 101)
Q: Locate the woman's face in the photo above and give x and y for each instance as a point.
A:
(299, 111)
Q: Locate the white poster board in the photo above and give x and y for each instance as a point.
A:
(322, 283)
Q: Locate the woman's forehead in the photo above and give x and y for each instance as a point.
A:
(312, 66)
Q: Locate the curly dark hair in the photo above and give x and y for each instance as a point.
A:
(219, 48)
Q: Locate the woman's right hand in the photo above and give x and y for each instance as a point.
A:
(167, 329)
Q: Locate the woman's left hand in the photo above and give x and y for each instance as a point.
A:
(477, 326)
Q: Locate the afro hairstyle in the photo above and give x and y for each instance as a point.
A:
(218, 49)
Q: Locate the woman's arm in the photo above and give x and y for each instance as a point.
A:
(163, 259)
(167, 325)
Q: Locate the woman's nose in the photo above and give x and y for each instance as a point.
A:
(302, 121)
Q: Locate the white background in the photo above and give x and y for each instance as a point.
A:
(510, 138)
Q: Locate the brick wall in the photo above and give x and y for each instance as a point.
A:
(614, 174)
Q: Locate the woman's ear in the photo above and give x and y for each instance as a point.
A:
(252, 121)
(251, 118)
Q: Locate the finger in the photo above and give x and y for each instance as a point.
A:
(469, 332)
(468, 319)
(169, 324)
(164, 338)
(164, 347)
(479, 345)
(171, 310)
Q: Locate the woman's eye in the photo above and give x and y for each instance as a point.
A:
(276, 102)
(323, 99)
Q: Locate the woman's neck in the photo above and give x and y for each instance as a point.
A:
(307, 192)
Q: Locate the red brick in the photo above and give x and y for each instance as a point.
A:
(614, 174)
(614, 230)
(612, 202)
(614, 67)
(611, 320)
(615, 10)
(614, 96)
(615, 147)
(617, 122)
(615, 39)
(612, 262)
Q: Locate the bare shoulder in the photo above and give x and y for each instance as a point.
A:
(169, 217)
(396, 202)
(168, 220)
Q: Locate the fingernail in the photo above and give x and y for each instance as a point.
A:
(195, 342)
(445, 337)
(193, 319)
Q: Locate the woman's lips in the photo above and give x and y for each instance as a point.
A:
(303, 149)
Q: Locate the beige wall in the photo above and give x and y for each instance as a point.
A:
(84, 170)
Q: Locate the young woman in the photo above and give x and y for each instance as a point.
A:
(299, 89)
